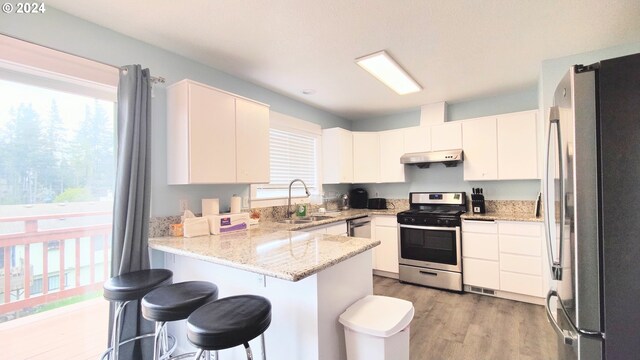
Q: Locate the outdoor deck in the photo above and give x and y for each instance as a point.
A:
(74, 332)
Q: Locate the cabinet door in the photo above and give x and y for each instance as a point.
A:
(517, 146)
(212, 140)
(417, 139)
(446, 136)
(337, 156)
(387, 251)
(391, 149)
(479, 142)
(366, 157)
(252, 142)
(483, 273)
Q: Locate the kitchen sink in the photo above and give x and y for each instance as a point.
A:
(319, 217)
(295, 221)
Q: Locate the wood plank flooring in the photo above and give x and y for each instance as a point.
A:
(465, 326)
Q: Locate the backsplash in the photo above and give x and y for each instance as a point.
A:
(509, 206)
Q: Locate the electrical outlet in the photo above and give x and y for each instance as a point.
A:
(184, 205)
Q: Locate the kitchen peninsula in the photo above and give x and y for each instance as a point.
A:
(309, 278)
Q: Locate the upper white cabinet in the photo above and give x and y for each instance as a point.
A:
(392, 147)
(446, 136)
(417, 139)
(337, 156)
(366, 157)
(214, 137)
(480, 149)
(502, 147)
(517, 146)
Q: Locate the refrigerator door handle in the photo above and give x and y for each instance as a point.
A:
(568, 336)
(556, 266)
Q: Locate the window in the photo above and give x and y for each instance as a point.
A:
(294, 152)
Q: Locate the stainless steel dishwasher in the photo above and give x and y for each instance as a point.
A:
(359, 227)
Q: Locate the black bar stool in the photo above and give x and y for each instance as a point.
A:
(229, 322)
(129, 287)
(172, 303)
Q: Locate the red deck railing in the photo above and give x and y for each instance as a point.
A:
(17, 278)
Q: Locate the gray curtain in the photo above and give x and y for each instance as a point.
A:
(132, 195)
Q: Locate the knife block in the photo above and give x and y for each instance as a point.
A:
(477, 204)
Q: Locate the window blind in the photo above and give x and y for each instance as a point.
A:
(292, 156)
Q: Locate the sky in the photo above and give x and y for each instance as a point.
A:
(70, 106)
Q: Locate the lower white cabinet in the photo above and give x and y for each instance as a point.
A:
(505, 256)
(385, 255)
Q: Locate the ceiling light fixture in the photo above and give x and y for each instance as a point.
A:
(382, 66)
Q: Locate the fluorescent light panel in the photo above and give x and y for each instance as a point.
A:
(384, 68)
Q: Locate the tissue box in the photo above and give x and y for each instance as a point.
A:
(224, 223)
(196, 226)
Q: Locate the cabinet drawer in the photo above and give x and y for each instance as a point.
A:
(521, 283)
(481, 273)
(486, 227)
(480, 246)
(521, 264)
(381, 220)
(521, 245)
(520, 228)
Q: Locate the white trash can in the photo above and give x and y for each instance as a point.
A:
(377, 328)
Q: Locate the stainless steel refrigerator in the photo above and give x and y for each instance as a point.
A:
(592, 210)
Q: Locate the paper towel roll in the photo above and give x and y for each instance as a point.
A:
(210, 207)
(236, 202)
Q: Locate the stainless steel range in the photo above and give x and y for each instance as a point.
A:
(429, 240)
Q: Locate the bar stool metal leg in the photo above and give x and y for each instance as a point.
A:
(247, 349)
(264, 350)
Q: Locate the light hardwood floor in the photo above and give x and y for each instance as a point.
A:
(455, 326)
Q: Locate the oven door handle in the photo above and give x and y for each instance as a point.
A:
(435, 228)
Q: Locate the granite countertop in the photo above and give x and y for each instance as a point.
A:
(267, 250)
(503, 216)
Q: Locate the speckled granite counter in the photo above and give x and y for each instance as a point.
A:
(502, 216)
(269, 249)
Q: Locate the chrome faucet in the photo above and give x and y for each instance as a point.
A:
(289, 212)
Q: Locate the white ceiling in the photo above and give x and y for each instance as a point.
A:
(456, 49)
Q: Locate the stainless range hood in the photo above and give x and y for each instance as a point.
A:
(449, 158)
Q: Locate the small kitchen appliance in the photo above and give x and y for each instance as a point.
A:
(358, 198)
(477, 201)
(377, 204)
(429, 238)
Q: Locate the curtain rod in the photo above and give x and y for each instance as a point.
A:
(154, 79)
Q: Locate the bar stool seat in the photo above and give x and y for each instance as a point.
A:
(125, 288)
(136, 284)
(229, 322)
(177, 301)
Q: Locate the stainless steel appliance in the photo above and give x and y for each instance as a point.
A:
(429, 240)
(359, 227)
(592, 204)
(450, 158)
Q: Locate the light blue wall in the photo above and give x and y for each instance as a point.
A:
(388, 122)
(61, 31)
(522, 100)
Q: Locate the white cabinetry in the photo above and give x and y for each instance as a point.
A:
(215, 137)
(337, 156)
(505, 256)
(385, 255)
(517, 146)
(446, 136)
(417, 139)
(392, 147)
(480, 254)
(479, 141)
(366, 157)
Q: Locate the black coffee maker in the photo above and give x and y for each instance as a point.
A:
(358, 198)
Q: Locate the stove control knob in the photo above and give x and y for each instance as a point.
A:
(413, 220)
(439, 221)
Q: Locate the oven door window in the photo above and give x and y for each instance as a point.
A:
(437, 246)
